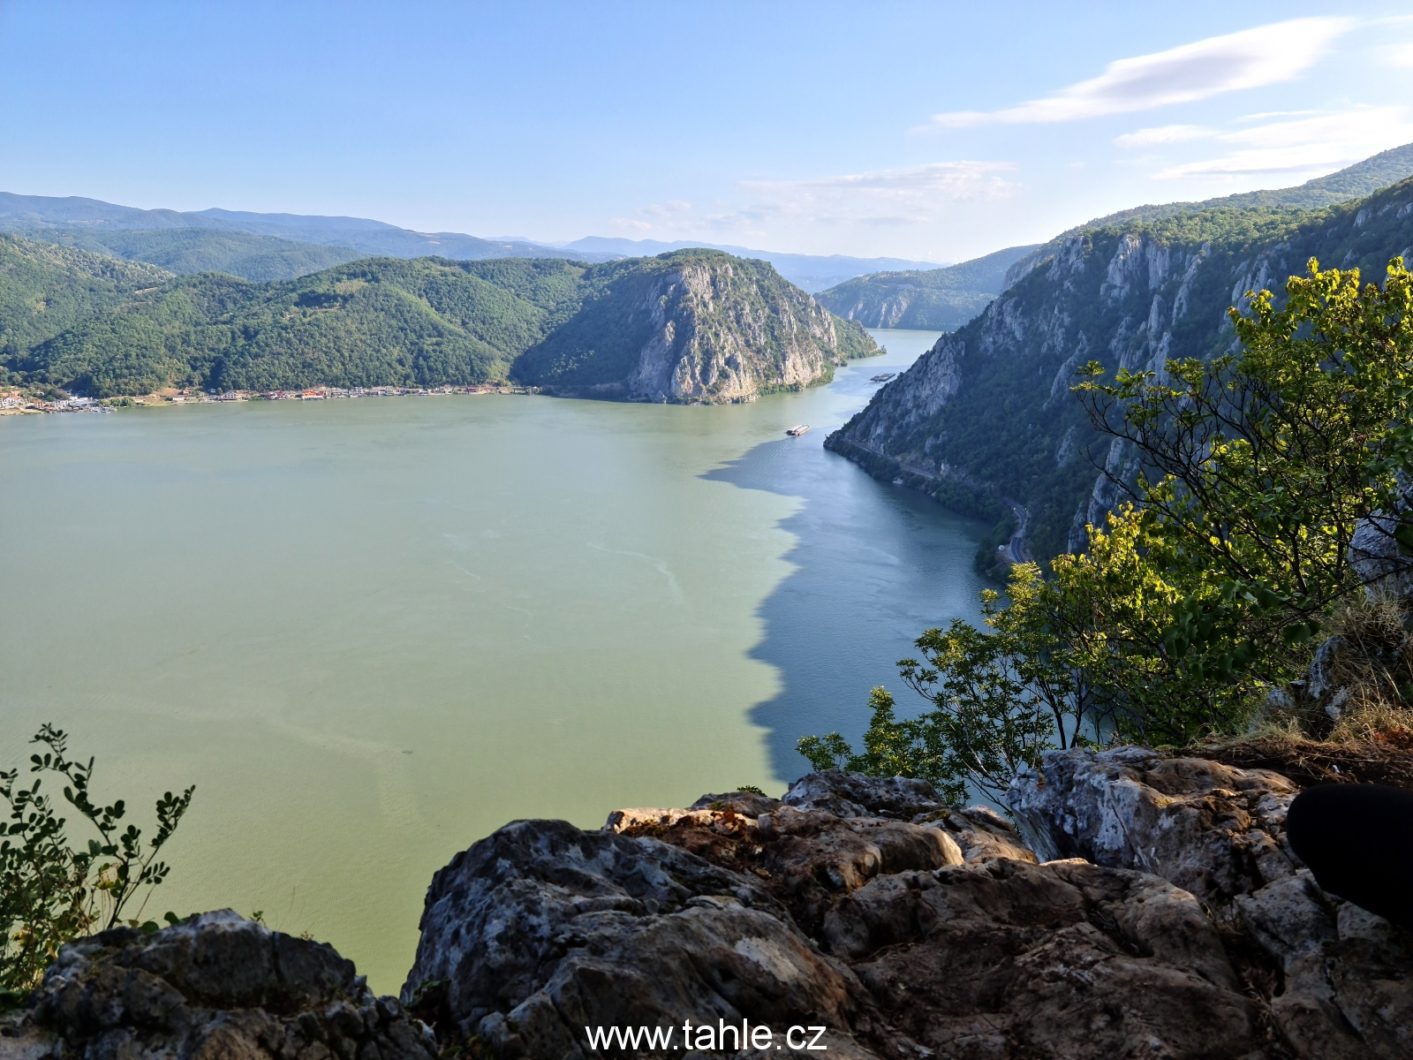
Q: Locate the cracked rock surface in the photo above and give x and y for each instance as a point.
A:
(1145, 907)
(216, 987)
(1152, 909)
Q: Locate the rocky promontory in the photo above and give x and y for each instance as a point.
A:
(1144, 906)
(694, 326)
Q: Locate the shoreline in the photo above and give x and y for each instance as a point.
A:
(17, 404)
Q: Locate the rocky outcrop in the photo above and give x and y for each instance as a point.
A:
(1147, 906)
(1383, 563)
(1330, 979)
(217, 987)
(1129, 295)
(692, 327)
(1164, 916)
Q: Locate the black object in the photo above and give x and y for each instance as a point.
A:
(1358, 841)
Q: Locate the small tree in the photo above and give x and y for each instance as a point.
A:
(1201, 592)
(52, 891)
(999, 699)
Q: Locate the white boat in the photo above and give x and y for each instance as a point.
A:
(797, 430)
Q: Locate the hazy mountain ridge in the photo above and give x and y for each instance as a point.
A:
(282, 246)
(424, 322)
(812, 272)
(1128, 295)
(933, 299)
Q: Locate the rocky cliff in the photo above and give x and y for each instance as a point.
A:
(692, 326)
(1147, 906)
(1129, 295)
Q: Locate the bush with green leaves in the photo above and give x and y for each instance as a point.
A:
(53, 888)
(1204, 589)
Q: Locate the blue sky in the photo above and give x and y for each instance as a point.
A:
(930, 130)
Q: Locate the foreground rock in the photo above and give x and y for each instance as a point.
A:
(1334, 980)
(1170, 921)
(218, 987)
(1153, 909)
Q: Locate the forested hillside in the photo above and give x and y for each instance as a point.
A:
(422, 322)
(47, 289)
(190, 250)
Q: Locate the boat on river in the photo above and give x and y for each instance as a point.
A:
(797, 430)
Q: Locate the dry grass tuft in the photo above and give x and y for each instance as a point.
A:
(1307, 762)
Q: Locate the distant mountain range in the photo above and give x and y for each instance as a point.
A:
(812, 272)
(282, 246)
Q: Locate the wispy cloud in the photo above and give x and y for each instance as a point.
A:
(879, 199)
(655, 216)
(1266, 55)
(912, 195)
(1164, 134)
(1321, 142)
(1399, 56)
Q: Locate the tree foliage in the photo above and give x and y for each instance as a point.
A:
(52, 888)
(999, 697)
(1202, 590)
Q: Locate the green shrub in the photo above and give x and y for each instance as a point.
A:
(53, 889)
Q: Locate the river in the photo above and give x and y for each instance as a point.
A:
(372, 631)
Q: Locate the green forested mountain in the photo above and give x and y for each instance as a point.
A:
(45, 290)
(1127, 294)
(257, 246)
(433, 322)
(1353, 182)
(929, 299)
(945, 299)
(190, 250)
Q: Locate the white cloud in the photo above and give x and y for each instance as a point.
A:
(1399, 56)
(658, 215)
(889, 198)
(1266, 55)
(913, 195)
(1321, 143)
(1164, 134)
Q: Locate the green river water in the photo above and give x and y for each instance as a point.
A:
(373, 631)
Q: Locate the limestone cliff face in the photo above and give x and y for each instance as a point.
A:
(989, 409)
(708, 346)
(695, 326)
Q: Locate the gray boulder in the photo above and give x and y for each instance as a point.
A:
(1333, 978)
(216, 987)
